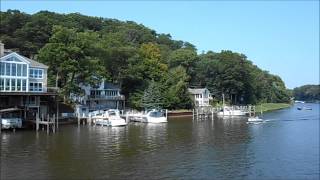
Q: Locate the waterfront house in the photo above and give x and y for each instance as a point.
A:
(200, 96)
(101, 97)
(23, 83)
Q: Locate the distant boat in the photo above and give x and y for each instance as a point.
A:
(299, 101)
(304, 108)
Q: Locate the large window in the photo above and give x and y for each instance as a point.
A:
(13, 69)
(35, 73)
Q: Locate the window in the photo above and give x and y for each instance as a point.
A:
(40, 73)
(1, 84)
(35, 87)
(13, 84)
(14, 69)
(18, 84)
(19, 69)
(8, 69)
(24, 85)
(31, 73)
(24, 70)
(35, 73)
(2, 68)
(7, 83)
(31, 88)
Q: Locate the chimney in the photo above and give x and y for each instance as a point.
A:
(1, 49)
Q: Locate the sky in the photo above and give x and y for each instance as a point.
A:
(281, 37)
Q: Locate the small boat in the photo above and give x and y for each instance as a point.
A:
(255, 119)
(152, 116)
(304, 108)
(109, 117)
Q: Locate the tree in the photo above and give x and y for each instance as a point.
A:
(71, 58)
(153, 96)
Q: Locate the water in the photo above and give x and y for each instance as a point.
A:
(286, 146)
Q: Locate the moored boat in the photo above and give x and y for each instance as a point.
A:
(152, 116)
(109, 117)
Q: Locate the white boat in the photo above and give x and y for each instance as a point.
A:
(109, 117)
(229, 111)
(255, 119)
(10, 118)
(152, 116)
(8, 123)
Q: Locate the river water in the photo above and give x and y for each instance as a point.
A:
(286, 146)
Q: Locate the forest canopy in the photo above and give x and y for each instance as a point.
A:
(81, 49)
(309, 93)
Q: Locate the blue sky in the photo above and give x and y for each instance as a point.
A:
(281, 37)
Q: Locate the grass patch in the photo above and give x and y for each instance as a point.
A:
(271, 106)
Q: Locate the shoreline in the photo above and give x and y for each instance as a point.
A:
(266, 107)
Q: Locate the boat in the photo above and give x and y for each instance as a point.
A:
(255, 119)
(229, 111)
(10, 118)
(151, 116)
(109, 117)
(304, 108)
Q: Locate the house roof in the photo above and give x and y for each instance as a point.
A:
(33, 63)
(197, 90)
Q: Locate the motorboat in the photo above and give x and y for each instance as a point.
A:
(151, 116)
(255, 119)
(8, 123)
(10, 118)
(109, 117)
(304, 108)
(229, 111)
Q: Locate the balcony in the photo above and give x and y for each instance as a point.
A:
(104, 97)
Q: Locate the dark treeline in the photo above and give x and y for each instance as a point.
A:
(82, 50)
(309, 93)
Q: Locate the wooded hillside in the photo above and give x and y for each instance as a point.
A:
(84, 49)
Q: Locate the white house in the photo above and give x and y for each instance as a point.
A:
(200, 96)
(23, 82)
(21, 74)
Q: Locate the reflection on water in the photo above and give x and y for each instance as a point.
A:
(285, 146)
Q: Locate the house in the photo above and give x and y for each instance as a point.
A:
(23, 83)
(200, 96)
(103, 96)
